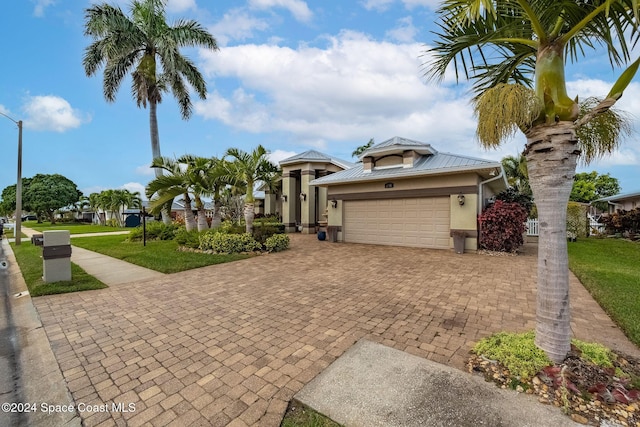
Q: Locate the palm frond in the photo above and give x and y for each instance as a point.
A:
(503, 110)
(602, 134)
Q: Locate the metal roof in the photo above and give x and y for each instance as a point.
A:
(438, 163)
(315, 156)
(620, 197)
(398, 144)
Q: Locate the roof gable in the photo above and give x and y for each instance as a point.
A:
(315, 156)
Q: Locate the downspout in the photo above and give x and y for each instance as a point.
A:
(482, 183)
(480, 198)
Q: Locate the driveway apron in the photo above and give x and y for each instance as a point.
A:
(231, 344)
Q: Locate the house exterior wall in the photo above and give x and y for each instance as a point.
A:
(627, 204)
(462, 218)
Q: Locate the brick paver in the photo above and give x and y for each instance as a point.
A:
(231, 344)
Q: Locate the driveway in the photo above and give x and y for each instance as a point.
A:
(231, 344)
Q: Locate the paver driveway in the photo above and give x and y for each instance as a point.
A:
(231, 344)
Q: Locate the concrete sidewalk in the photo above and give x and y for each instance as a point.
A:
(108, 270)
(374, 385)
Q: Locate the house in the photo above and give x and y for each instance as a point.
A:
(402, 193)
(627, 201)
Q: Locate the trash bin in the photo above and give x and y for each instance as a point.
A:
(37, 239)
(458, 241)
(56, 256)
(332, 233)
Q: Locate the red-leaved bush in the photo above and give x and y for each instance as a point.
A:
(501, 226)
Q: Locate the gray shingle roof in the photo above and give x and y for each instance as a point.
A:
(427, 165)
(315, 156)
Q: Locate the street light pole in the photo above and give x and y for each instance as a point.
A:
(17, 232)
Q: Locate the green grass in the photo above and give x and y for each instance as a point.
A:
(158, 255)
(300, 416)
(30, 262)
(610, 270)
(73, 227)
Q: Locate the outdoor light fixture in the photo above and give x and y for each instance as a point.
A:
(284, 197)
(461, 199)
(334, 203)
(303, 197)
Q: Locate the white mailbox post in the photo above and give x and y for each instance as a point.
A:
(56, 256)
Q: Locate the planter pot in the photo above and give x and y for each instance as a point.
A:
(322, 235)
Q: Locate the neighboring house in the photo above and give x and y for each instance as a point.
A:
(403, 193)
(627, 201)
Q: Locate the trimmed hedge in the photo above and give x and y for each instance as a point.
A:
(277, 243)
(228, 243)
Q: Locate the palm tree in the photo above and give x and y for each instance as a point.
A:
(247, 168)
(515, 168)
(163, 189)
(95, 204)
(145, 45)
(197, 174)
(514, 54)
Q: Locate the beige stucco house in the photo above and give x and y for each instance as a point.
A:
(627, 201)
(402, 193)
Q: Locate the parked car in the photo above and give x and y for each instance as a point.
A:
(29, 218)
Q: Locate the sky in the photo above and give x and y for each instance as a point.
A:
(292, 75)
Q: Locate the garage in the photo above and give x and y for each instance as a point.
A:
(417, 222)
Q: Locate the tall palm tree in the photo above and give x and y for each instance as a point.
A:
(514, 54)
(247, 168)
(163, 189)
(146, 46)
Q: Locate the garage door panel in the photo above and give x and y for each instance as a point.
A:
(420, 222)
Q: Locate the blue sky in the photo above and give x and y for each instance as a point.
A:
(291, 75)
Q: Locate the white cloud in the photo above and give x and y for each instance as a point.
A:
(51, 113)
(145, 170)
(276, 156)
(353, 89)
(405, 32)
(378, 5)
(181, 5)
(135, 186)
(383, 5)
(298, 8)
(236, 24)
(40, 6)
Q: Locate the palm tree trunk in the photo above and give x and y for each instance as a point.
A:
(155, 149)
(249, 214)
(552, 155)
(189, 219)
(217, 217)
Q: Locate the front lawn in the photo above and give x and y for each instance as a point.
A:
(30, 262)
(73, 227)
(610, 270)
(158, 255)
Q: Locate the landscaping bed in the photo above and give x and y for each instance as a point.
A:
(588, 389)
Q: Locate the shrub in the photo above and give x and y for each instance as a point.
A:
(190, 239)
(261, 232)
(577, 225)
(623, 221)
(511, 195)
(228, 243)
(156, 230)
(502, 225)
(277, 243)
(517, 352)
(230, 227)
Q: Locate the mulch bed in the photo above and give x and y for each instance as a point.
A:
(589, 394)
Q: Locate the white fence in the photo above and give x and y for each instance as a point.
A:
(534, 230)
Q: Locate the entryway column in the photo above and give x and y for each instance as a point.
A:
(269, 203)
(308, 202)
(289, 200)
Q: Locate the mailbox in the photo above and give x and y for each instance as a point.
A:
(56, 256)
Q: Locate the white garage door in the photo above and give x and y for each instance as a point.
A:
(418, 222)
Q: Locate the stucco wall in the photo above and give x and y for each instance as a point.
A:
(405, 184)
